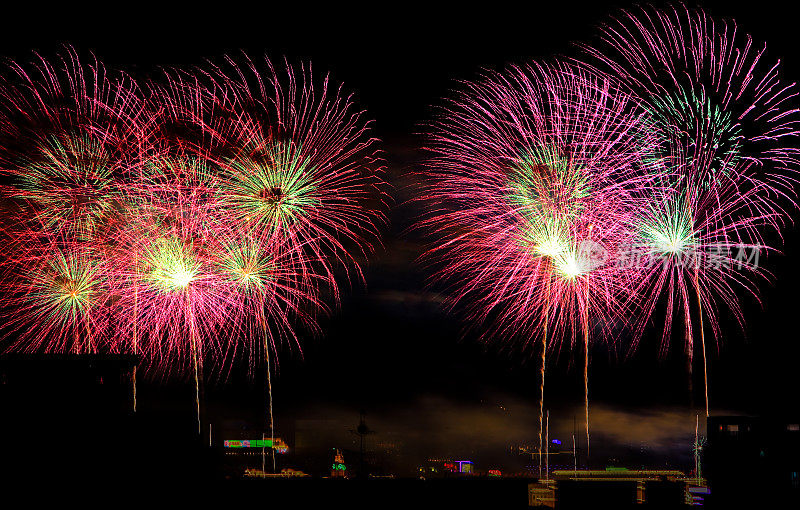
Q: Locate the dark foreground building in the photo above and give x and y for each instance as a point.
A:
(753, 462)
(70, 419)
(619, 488)
(63, 414)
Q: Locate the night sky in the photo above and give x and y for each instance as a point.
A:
(391, 350)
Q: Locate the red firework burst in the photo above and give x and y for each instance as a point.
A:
(66, 135)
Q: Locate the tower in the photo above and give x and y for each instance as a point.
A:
(338, 468)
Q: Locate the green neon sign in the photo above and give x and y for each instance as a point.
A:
(248, 443)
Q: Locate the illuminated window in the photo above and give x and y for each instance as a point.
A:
(793, 427)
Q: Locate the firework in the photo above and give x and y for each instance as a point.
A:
(65, 133)
(59, 299)
(533, 178)
(297, 164)
(727, 129)
(283, 187)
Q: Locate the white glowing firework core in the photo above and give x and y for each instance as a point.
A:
(181, 277)
(670, 242)
(569, 266)
(551, 247)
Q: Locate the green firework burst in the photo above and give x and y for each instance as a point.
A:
(708, 137)
(67, 287)
(270, 188)
(549, 191)
(69, 182)
(668, 228)
(170, 265)
(246, 265)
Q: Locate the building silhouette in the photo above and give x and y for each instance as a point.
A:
(753, 461)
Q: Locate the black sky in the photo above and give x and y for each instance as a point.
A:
(391, 344)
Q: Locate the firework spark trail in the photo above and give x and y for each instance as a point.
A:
(542, 367)
(729, 128)
(269, 396)
(533, 185)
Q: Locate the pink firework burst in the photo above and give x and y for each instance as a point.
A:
(536, 175)
(729, 131)
(176, 303)
(56, 295)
